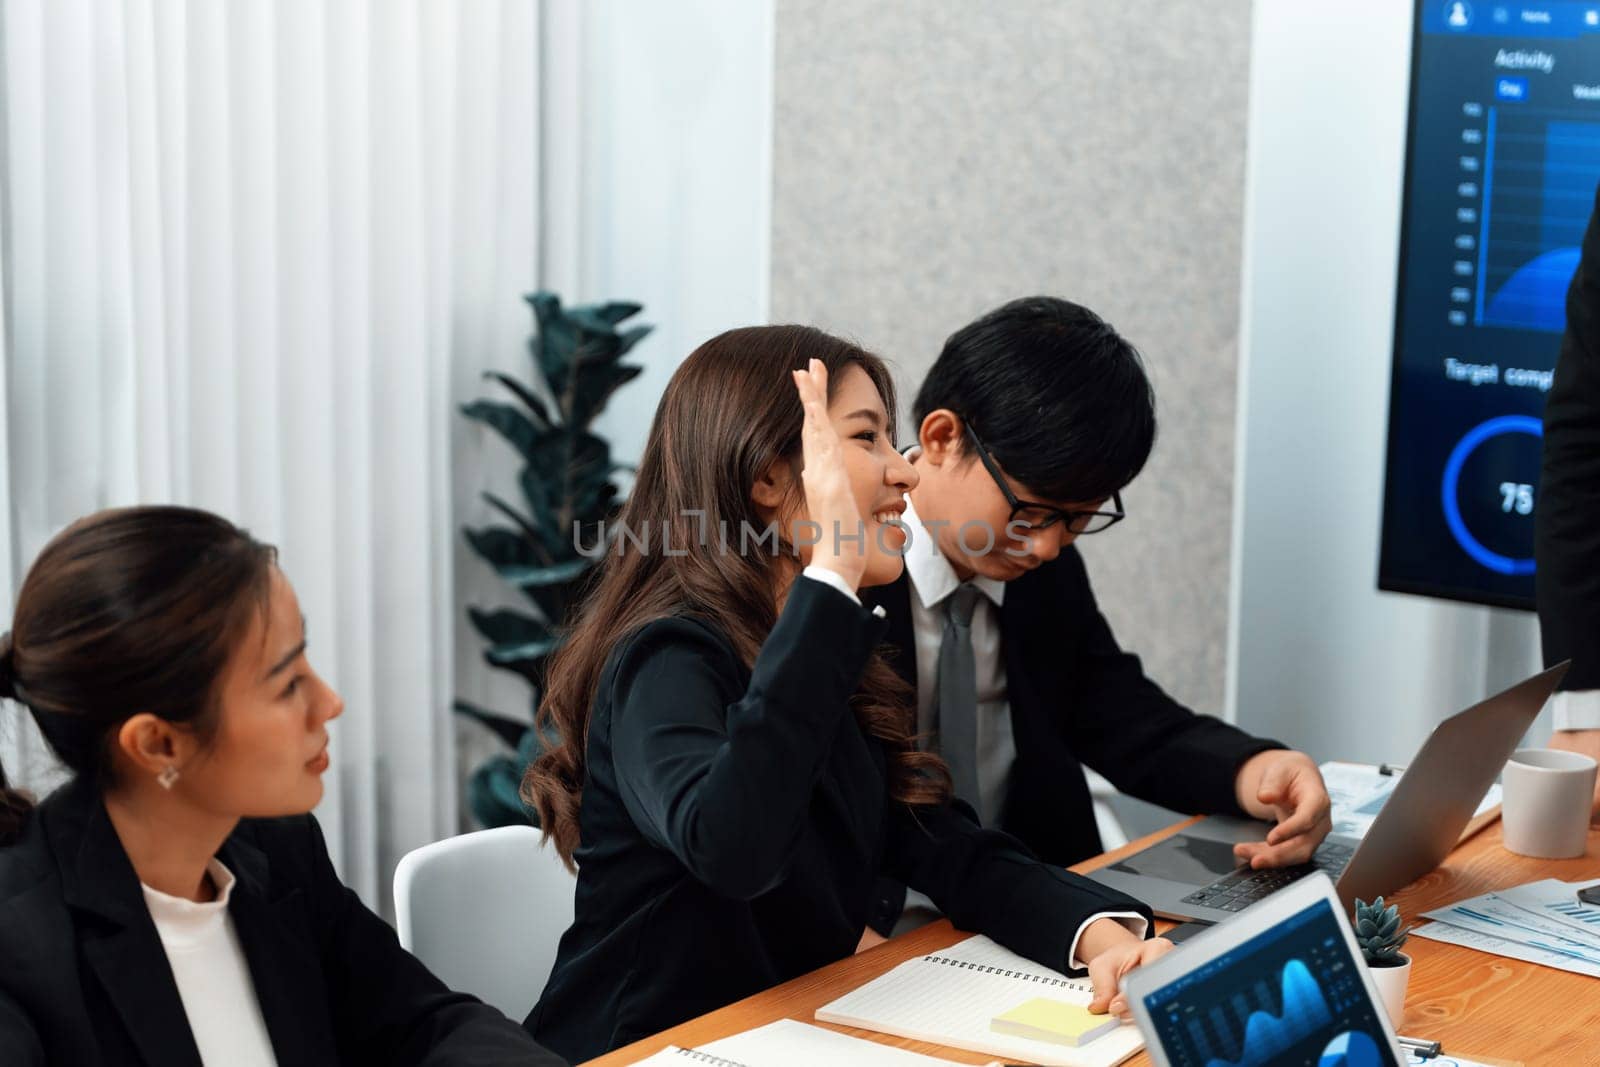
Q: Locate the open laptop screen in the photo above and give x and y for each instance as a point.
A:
(1290, 995)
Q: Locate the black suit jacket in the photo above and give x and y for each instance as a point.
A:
(734, 824)
(1078, 699)
(1567, 523)
(84, 980)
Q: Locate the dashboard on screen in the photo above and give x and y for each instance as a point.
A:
(1502, 161)
(1290, 995)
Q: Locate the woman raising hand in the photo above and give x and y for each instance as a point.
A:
(737, 766)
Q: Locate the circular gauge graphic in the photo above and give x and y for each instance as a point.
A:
(1351, 1049)
(1488, 492)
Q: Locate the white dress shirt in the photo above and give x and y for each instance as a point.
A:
(932, 581)
(213, 977)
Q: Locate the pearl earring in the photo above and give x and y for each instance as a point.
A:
(168, 775)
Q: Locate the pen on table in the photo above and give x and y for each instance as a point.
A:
(1420, 1045)
(1389, 770)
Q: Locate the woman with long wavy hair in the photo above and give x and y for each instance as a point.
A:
(737, 765)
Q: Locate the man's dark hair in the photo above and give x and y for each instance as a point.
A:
(1057, 396)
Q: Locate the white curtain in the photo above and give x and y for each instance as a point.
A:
(254, 255)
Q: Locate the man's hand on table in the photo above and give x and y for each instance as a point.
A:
(1285, 788)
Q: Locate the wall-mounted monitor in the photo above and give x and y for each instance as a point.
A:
(1502, 161)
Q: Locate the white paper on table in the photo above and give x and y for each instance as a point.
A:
(1557, 901)
(1415, 1058)
(1493, 914)
(1546, 955)
(1359, 792)
(951, 996)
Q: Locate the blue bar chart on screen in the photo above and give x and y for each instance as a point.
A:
(1540, 169)
(1502, 164)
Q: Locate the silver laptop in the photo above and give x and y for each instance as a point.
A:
(1193, 874)
(1281, 984)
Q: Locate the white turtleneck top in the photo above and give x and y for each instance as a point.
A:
(213, 977)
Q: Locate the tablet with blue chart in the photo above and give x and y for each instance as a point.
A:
(1281, 985)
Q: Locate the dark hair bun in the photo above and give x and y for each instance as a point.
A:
(8, 686)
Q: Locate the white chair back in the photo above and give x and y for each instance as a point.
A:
(484, 911)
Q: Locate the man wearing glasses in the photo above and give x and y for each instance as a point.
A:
(1031, 422)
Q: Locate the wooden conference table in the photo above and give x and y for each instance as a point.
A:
(1478, 1005)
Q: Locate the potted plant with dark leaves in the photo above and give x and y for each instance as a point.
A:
(1381, 937)
(568, 500)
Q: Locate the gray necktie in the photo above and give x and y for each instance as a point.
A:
(958, 695)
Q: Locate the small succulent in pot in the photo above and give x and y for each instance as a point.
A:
(1379, 934)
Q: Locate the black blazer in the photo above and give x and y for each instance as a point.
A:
(1567, 522)
(1077, 698)
(84, 980)
(734, 823)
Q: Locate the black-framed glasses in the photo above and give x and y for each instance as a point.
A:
(1038, 516)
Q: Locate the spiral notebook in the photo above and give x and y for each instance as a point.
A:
(787, 1043)
(950, 997)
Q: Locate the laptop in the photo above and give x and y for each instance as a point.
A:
(1193, 875)
(1283, 983)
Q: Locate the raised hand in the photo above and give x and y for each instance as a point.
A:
(830, 503)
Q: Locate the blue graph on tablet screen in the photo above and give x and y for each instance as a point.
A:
(1289, 995)
(1271, 1030)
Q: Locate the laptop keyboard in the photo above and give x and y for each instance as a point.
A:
(1244, 887)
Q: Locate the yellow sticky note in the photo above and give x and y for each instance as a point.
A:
(1043, 1019)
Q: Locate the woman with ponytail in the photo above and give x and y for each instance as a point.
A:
(174, 904)
(736, 766)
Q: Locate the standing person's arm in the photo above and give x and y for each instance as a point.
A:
(18, 1036)
(1568, 516)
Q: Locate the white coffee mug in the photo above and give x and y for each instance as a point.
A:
(1548, 797)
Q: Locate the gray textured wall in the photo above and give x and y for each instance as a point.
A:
(935, 158)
